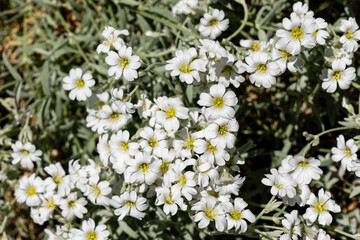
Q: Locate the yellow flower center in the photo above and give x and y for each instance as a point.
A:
(223, 130)
(80, 83)
(164, 167)
(114, 116)
(185, 68)
(169, 200)
(189, 143)
(227, 69)
(303, 164)
(71, 203)
(57, 179)
(320, 207)
(182, 180)
(261, 68)
(210, 212)
(108, 148)
(152, 142)
(236, 215)
(348, 152)
(349, 34)
(25, 152)
(218, 102)
(285, 55)
(255, 46)
(278, 185)
(213, 22)
(91, 236)
(144, 167)
(314, 33)
(125, 146)
(210, 148)
(297, 33)
(337, 75)
(31, 190)
(124, 62)
(170, 113)
(50, 203)
(130, 204)
(96, 190)
(100, 104)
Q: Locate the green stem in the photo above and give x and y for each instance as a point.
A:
(263, 211)
(344, 233)
(246, 16)
(308, 146)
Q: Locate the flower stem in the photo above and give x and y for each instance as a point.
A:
(263, 211)
(308, 146)
(246, 16)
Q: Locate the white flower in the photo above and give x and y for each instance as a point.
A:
(344, 152)
(228, 71)
(205, 171)
(351, 36)
(212, 48)
(338, 74)
(112, 39)
(236, 215)
(142, 169)
(73, 206)
(48, 205)
(97, 101)
(227, 184)
(184, 182)
(78, 175)
(123, 63)
(154, 140)
(281, 184)
(253, 45)
(297, 33)
(302, 9)
(120, 147)
(170, 110)
(291, 225)
(143, 106)
(103, 148)
(129, 204)
(58, 179)
(304, 170)
(186, 65)
(212, 25)
(29, 190)
(26, 154)
(320, 34)
(93, 121)
(117, 95)
(209, 211)
(322, 235)
(220, 133)
(219, 102)
(320, 207)
(211, 152)
(263, 71)
(286, 60)
(96, 191)
(184, 7)
(79, 84)
(113, 118)
(185, 144)
(172, 200)
(90, 232)
(302, 196)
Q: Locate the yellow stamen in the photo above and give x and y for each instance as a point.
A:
(80, 83)
(218, 102)
(297, 33)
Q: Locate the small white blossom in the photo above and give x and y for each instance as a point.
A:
(344, 152)
(351, 34)
(29, 190)
(212, 25)
(236, 215)
(78, 84)
(26, 154)
(130, 204)
(209, 210)
(112, 39)
(338, 74)
(123, 63)
(91, 232)
(281, 184)
(291, 223)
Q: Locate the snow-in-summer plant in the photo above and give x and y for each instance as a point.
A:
(159, 125)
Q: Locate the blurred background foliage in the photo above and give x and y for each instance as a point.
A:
(41, 40)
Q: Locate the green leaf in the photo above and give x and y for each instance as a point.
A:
(123, 225)
(246, 147)
(355, 192)
(18, 93)
(11, 69)
(44, 111)
(45, 79)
